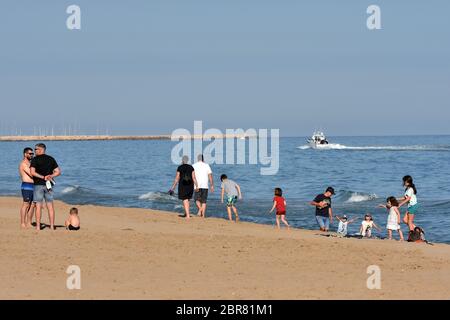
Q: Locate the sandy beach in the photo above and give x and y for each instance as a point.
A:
(149, 254)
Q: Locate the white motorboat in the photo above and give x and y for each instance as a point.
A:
(318, 140)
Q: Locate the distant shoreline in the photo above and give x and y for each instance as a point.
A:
(111, 138)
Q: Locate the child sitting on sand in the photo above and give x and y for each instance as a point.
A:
(393, 221)
(343, 225)
(73, 221)
(367, 225)
(280, 204)
(233, 193)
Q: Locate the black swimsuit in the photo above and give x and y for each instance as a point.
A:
(71, 227)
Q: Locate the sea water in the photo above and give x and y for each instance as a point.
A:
(363, 170)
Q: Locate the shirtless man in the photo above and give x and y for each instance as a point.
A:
(27, 209)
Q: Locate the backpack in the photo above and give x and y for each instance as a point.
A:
(416, 235)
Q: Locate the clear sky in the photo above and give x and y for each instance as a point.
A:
(151, 66)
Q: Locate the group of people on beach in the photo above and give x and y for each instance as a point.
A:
(37, 171)
(324, 213)
(193, 181)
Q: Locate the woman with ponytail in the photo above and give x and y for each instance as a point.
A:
(410, 198)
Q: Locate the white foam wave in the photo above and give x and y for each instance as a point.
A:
(361, 197)
(155, 196)
(69, 189)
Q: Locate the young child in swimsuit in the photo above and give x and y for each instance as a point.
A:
(343, 225)
(73, 221)
(367, 225)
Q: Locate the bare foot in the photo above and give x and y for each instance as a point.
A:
(23, 226)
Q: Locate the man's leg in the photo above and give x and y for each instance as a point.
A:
(51, 215)
(38, 215)
(204, 210)
(199, 207)
(51, 210)
(30, 214)
(23, 214)
(327, 224)
(186, 208)
(320, 222)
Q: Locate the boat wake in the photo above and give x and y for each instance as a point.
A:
(337, 146)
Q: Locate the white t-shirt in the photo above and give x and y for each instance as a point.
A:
(342, 228)
(410, 193)
(202, 171)
(367, 228)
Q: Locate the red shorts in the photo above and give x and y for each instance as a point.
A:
(281, 213)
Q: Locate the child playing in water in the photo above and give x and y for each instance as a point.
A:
(73, 221)
(343, 225)
(393, 222)
(280, 204)
(367, 225)
(233, 192)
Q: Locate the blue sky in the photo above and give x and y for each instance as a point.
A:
(149, 67)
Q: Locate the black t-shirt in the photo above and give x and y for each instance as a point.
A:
(324, 212)
(44, 165)
(185, 171)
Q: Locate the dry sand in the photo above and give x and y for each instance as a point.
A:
(149, 254)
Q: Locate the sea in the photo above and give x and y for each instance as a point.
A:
(364, 171)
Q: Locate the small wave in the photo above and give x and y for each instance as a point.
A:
(156, 196)
(337, 146)
(349, 196)
(361, 197)
(70, 189)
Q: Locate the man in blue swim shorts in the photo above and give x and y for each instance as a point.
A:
(27, 189)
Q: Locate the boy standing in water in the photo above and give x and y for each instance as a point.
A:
(233, 193)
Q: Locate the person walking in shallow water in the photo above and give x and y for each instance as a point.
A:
(27, 189)
(186, 180)
(203, 174)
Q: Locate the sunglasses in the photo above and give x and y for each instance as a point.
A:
(30, 154)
